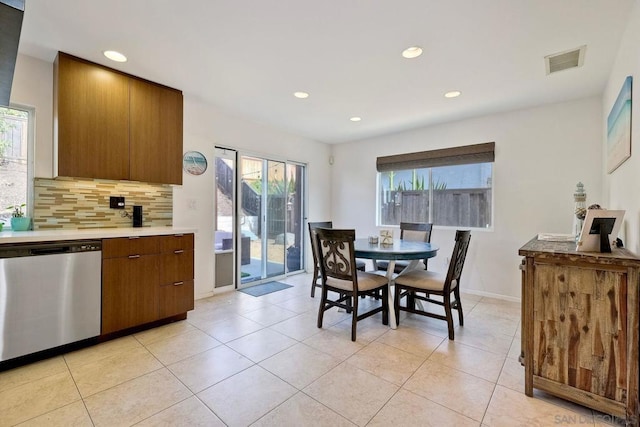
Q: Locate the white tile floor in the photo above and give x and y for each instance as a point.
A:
(240, 360)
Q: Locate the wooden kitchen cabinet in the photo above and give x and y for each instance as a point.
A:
(580, 331)
(146, 279)
(156, 133)
(130, 277)
(111, 125)
(176, 275)
(91, 126)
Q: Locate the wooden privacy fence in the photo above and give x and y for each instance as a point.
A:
(469, 207)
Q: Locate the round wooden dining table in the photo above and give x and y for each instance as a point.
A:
(400, 250)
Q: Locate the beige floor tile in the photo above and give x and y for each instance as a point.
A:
(300, 327)
(459, 391)
(231, 329)
(426, 324)
(190, 412)
(508, 408)
(480, 363)
(499, 308)
(37, 397)
(606, 420)
(136, 400)
(389, 363)
(300, 365)
(261, 344)
(334, 344)
(516, 348)
(74, 414)
(205, 369)
(301, 410)
(180, 347)
(300, 304)
(164, 332)
(101, 351)
(351, 392)
(35, 371)
(484, 340)
(94, 377)
(246, 305)
(406, 409)
(411, 340)
(269, 315)
(247, 396)
(512, 375)
(212, 313)
(489, 322)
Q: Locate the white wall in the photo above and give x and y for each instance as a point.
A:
(204, 127)
(622, 187)
(541, 153)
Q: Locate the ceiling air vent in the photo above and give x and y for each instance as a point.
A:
(564, 60)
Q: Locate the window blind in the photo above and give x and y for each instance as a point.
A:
(477, 153)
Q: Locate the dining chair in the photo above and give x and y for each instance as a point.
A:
(414, 284)
(335, 249)
(415, 232)
(360, 265)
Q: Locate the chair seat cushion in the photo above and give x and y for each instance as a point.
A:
(422, 279)
(366, 282)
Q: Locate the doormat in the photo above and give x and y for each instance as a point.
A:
(265, 288)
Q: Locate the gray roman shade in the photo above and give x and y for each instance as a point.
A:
(477, 153)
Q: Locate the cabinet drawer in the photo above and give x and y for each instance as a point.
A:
(177, 242)
(176, 267)
(126, 246)
(176, 299)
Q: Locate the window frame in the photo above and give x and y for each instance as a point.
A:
(428, 160)
(31, 119)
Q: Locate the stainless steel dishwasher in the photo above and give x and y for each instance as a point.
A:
(50, 295)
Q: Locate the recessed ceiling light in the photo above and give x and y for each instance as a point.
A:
(412, 52)
(355, 119)
(452, 94)
(301, 95)
(115, 56)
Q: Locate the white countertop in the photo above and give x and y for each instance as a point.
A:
(93, 233)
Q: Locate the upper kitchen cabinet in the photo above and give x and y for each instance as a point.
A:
(110, 125)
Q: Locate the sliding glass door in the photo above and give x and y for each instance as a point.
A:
(270, 218)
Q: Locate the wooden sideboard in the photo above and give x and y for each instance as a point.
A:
(580, 325)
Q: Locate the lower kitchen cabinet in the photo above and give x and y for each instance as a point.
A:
(146, 279)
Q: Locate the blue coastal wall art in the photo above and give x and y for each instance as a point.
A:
(619, 128)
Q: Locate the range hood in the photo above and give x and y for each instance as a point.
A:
(11, 13)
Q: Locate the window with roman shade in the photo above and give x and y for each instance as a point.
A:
(447, 187)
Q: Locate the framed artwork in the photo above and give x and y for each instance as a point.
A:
(597, 222)
(194, 163)
(619, 128)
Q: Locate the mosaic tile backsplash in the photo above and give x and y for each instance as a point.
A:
(72, 203)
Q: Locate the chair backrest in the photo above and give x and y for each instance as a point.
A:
(416, 231)
(312, 236)
(457, 259)
(336, 254)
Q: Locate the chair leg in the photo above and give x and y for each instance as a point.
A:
(323, 302)
(396, 303)
(447, 312)
(411, 301)
(315, 280)
(385, 305)
(354, 318)
(458, 305)
(348, 302)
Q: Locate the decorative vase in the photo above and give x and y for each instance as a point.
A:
(20, 223)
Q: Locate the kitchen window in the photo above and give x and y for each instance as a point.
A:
(16, 152)
(448, 187)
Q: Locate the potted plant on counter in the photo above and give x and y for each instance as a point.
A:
(19, 222)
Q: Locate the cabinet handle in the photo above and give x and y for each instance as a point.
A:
(133, 237)
(178, 235)
(178, 283)
(179, 251)
(134, 256)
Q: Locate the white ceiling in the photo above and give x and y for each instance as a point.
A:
(249, 56)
